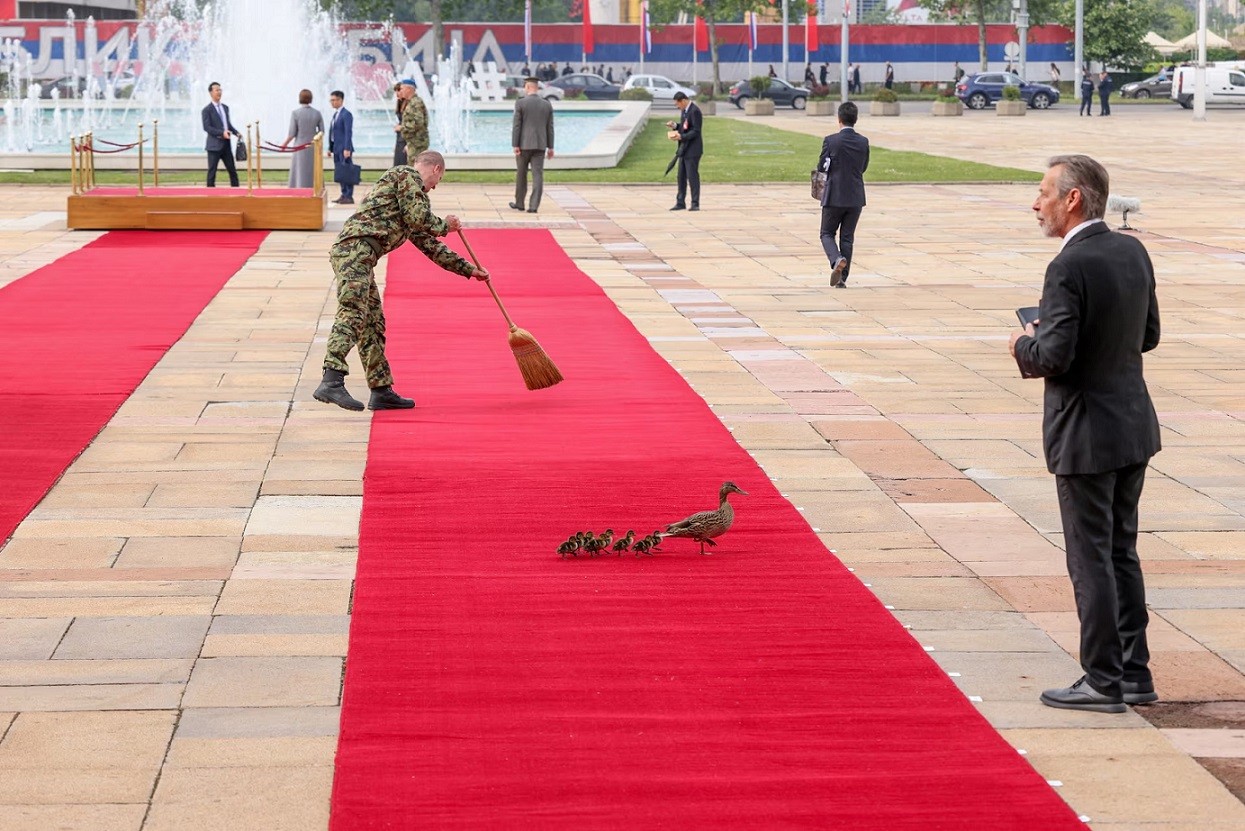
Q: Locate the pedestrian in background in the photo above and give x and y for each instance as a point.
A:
(844, 159)
(1087, 94)
(691, 148)
(399, 146)
(1097, 316)
(305, 123)
(1105, 87)
(890, 76)
(855, 86)
(1054, 75)
(531, 135)
(341, 145)
(414, 126)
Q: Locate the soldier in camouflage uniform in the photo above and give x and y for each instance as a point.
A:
(414, 126)
(396, 210)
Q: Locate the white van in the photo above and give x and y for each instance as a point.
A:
(1225, 83)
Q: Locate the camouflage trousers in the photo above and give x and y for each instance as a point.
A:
(413, 150)
(360, 318)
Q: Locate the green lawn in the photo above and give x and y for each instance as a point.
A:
(736, 150)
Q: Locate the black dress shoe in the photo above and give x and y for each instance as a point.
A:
(332, 390)
(694, 208)
(531, 210)
(679, 208)
(345, 201)
(1138, 692)
(516, 206)
(384, 398)
(1081, 696)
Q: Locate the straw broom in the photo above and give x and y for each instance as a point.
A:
(538, 371)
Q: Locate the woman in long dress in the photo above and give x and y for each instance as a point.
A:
(399, 147)
(305, 122)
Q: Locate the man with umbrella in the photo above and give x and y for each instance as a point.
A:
(691, 148)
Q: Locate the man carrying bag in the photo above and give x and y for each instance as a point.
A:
(341, 147)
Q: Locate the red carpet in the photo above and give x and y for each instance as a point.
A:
(83, 332)
(491, 684)
(220, 190)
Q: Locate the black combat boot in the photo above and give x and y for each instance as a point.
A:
(332, 390)
(384, 398)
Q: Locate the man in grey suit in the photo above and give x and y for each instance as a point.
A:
(532, 139)
(1098, 314)
(844, 158)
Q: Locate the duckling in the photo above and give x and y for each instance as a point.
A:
(654, 541)
(594, 544)
(641, 546)
(607, 538)
(625, 543)
(568, 547)
(704, 526)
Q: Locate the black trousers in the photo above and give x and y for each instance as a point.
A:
(840, 221)
(1087, 103)
(1099, 512)
(1104, 103)
(214, 158)
(689, 175)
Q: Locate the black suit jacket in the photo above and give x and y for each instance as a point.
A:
(1098, 314)
(214, 128)
(847, 152)
(691, 143)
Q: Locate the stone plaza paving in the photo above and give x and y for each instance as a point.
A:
(174, 614)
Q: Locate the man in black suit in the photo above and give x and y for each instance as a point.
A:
(844, 159)
(691, 148)
(1098, 314)
(219, 129)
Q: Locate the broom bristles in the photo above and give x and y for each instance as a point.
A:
(538, 371)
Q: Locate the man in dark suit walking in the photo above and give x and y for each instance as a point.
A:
(691, 148)
(219, 129)
(844, 159)
(1098, 314)
(531, 135)
(341, 144)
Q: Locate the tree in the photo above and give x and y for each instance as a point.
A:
(1114, 30)
(981, 12)
(664, 12)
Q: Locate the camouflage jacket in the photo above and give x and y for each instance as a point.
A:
(396, 210)
(415, 125)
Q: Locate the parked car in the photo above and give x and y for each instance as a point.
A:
(981, 89)
(1156, 86)
(595, 87)
(780, 92)
(659, 86)
(543, 90)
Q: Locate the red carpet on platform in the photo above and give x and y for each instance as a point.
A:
(265, 193)
(81, 333)
(491, 684)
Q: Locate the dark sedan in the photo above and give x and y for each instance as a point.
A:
(780, 92)
(980, 90)
(595, 87)
(1156, 86)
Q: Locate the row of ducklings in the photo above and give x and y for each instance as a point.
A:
(594, 545)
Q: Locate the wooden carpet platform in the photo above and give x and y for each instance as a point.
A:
(198, 208)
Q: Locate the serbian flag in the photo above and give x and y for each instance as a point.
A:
(588, 46)
(701, 35)
(646, 32)
(810, 30)
(752, 31)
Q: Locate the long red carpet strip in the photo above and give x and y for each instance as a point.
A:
(491, 684)
(81, 333)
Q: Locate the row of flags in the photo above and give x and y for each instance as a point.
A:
(700, 36)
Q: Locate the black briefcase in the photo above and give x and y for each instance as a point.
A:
(347, 173)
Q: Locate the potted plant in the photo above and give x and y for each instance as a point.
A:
(819, 101)
(947, 104)
(706, 97)
(885, 102)
(635, 94)
(1011, 103)
(756, 105)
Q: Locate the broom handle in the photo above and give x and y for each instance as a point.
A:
(488, 283)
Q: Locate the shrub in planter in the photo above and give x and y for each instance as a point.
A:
(885, 96)
(948, 98)
(705, 92)
(573, 93)
(759, 85)
(1011, 93)
(819, 92)
(635, 94)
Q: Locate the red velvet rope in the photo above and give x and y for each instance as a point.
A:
(276, 148)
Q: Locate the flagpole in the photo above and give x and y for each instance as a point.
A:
(844, 81)
(786, 42)
(751, 28)
(643, 32)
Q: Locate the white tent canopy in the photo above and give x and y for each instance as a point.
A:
(1161, 44)
(1190, 41)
